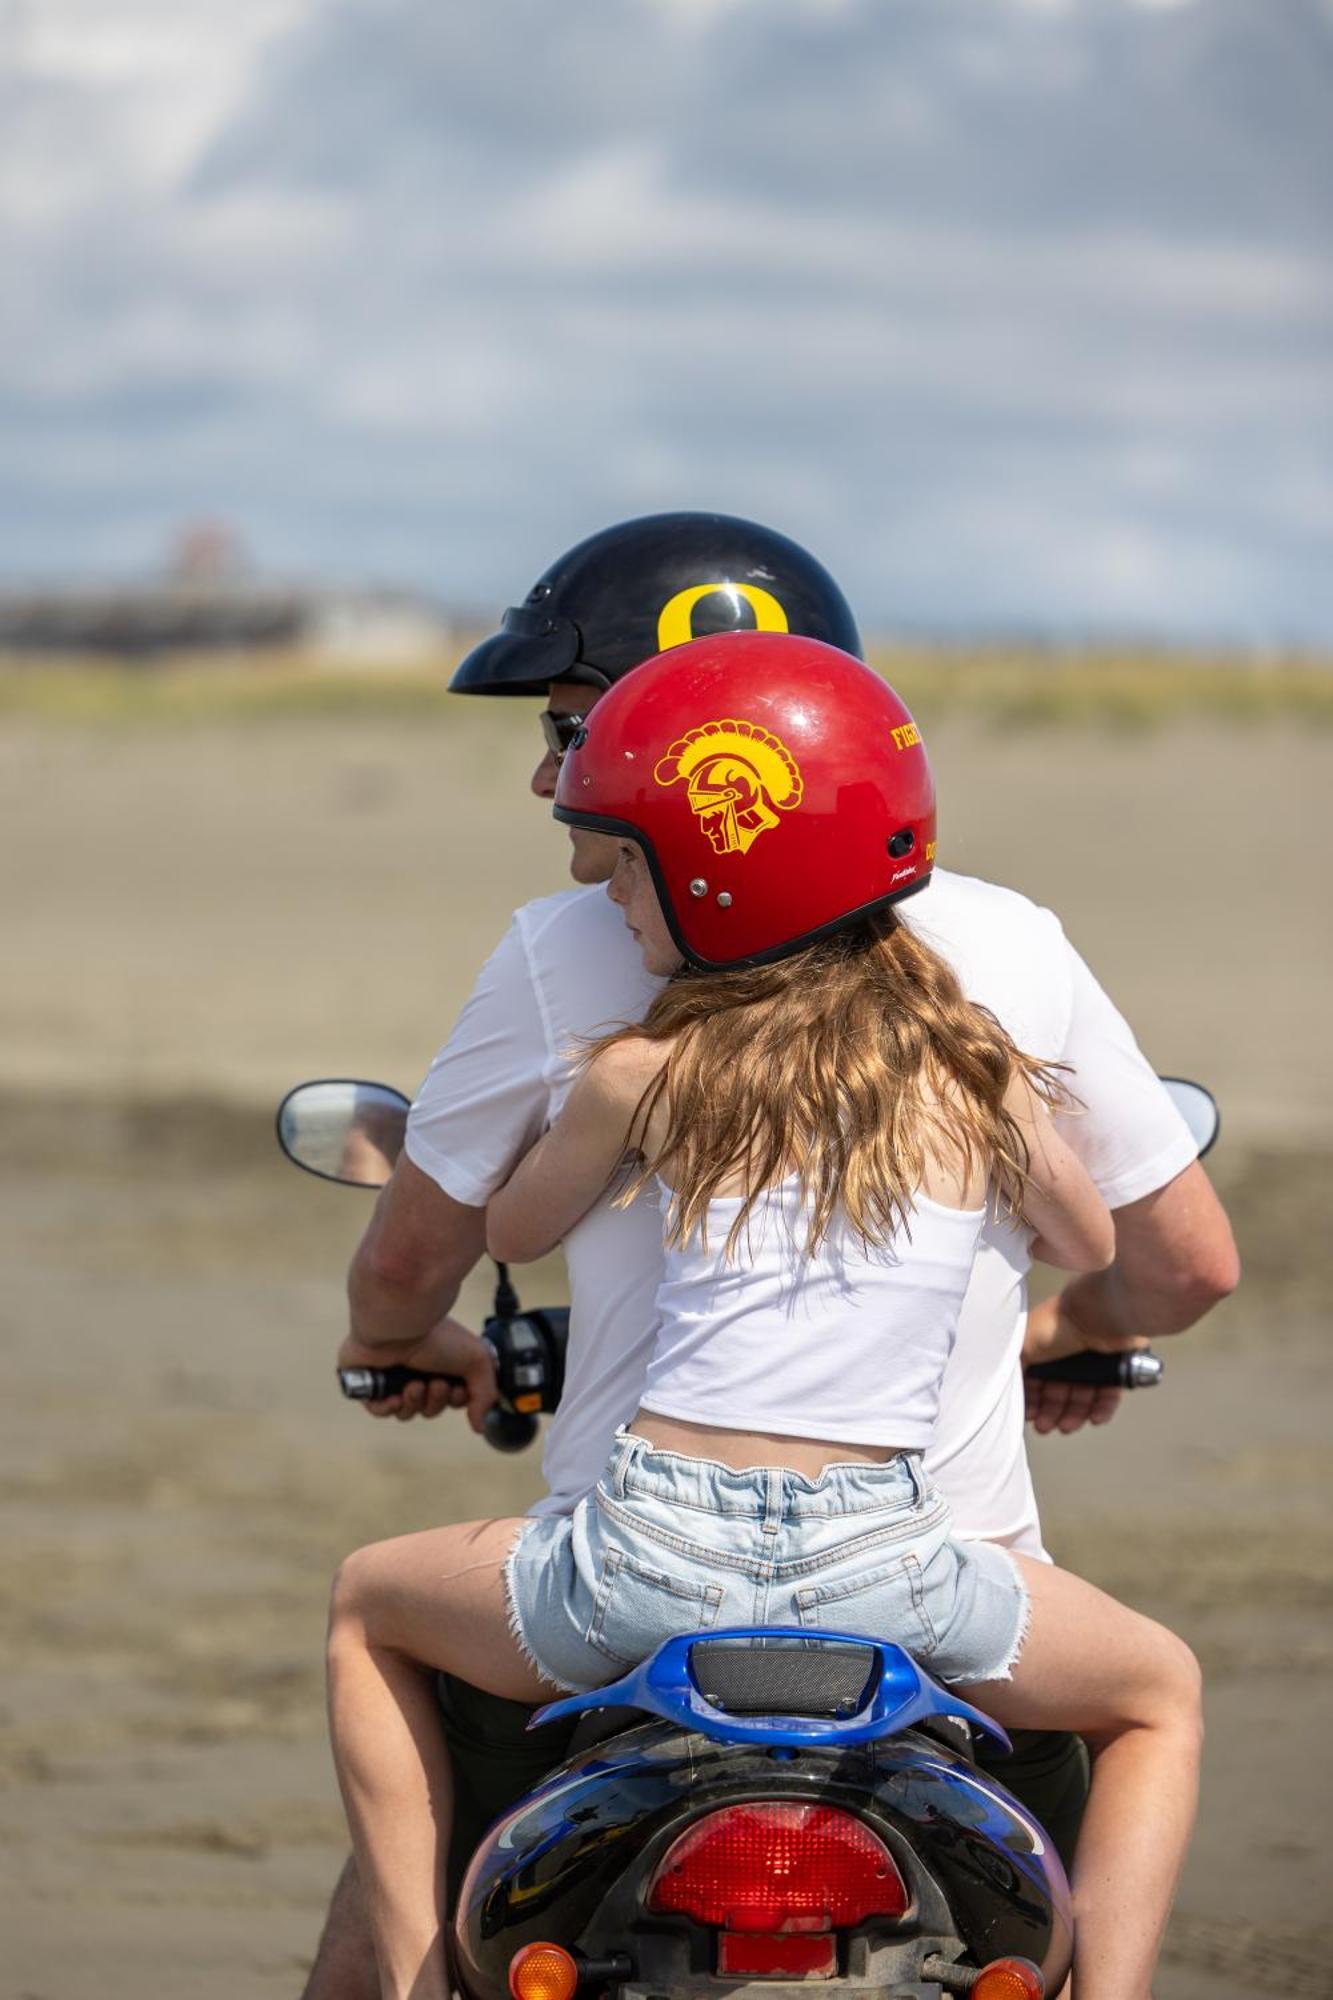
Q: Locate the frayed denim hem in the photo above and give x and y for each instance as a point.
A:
(514, 1620)
(1003, 1670)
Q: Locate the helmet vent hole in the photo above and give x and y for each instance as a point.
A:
(902, 843)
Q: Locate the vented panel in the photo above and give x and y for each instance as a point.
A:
(783, 1678)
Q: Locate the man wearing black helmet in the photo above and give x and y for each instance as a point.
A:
(647, 585)
(566, 968)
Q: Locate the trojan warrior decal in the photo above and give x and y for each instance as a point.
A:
(738, 778)
(675, 621)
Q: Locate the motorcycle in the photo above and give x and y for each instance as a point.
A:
(750, 1807)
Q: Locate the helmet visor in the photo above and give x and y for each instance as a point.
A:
(530, 650)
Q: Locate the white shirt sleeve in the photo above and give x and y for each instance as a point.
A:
(485, 1098)
(1129, 1135)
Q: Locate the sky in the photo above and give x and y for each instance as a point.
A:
(1019, 313)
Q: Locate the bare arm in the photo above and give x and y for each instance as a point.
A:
(1073, 1225)
(568, 1169)
(1175, 1259)
(416, 1252)
(403, 1281)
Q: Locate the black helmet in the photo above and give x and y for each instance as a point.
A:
(644, 586)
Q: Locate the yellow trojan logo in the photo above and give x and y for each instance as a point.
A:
(738, 779)
(675, 621)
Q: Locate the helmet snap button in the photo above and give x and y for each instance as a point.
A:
(698, 886)
(724, 899)
(902, 843)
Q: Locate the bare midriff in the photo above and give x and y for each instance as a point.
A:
(742, 1450)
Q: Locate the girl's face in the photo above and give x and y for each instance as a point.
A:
(631, 888)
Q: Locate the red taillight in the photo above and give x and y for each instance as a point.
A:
(779, 1867)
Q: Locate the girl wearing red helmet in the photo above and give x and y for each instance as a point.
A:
(823, 1117)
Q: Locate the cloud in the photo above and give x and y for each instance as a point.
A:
(1017, 312)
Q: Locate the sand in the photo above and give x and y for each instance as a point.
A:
(196, 917)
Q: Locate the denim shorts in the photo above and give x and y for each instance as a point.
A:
(666, 1544)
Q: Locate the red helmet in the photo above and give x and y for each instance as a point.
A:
(777, 787)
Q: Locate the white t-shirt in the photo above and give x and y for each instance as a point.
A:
(567, 968)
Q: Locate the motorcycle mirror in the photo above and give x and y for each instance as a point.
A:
(344, 1129)
(1198, 1108)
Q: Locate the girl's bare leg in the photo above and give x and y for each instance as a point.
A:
(1132, 1689)
(399, 1611)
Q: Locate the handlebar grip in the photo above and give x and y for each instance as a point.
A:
(1139, 1369)
(372, 1385)
(504, 1429)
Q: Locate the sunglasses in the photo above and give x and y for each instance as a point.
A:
(559, 731)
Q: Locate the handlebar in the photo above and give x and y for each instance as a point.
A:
(512, 1422)
(528, 1349)
(372, 1385)
(504, 1427)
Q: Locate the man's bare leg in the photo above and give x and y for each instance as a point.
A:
(344, 1967)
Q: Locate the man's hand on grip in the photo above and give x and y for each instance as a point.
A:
(450, 1348)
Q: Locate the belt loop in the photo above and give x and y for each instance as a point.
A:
(916, 1472)
(625, 1443)
(774, 1480)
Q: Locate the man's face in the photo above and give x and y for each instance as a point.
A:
(593, 855)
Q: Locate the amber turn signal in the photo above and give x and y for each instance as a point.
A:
(544, 1972)
(1009, 1979)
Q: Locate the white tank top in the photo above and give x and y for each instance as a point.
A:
(848, 1344)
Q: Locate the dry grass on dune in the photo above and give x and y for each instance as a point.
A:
(1011, 685)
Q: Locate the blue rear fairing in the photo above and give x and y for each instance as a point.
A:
(896, 1694)
(566, 1860)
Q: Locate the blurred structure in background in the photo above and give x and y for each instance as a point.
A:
(209, 598)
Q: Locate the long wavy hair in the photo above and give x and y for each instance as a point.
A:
(852, 1064)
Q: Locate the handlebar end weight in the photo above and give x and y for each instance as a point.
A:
(509, 1430)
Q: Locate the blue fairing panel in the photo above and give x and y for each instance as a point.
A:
(896, 1694)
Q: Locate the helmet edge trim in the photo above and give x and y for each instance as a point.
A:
(625, 829)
